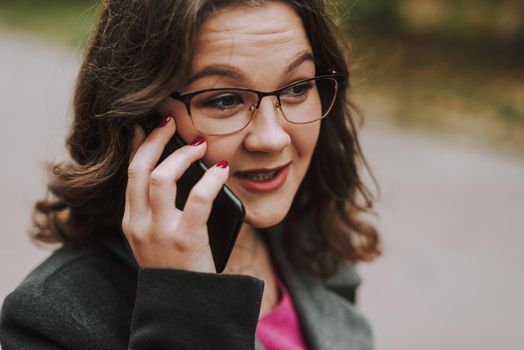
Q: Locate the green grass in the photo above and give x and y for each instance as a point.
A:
(67, 21)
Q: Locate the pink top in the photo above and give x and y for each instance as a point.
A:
(279, 329)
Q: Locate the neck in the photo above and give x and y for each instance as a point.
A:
(247, 235)
(246, 252)
(250, 257)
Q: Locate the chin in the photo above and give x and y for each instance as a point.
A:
(264, 218)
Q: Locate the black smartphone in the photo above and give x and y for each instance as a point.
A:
(227, 213)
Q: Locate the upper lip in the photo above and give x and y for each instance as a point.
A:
(264, 170)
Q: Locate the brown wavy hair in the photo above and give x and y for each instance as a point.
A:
(139, 52)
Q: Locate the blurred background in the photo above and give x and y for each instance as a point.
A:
(440, 84)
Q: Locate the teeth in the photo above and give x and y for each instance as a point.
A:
(259, 176)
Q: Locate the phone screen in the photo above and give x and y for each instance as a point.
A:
(227, 213)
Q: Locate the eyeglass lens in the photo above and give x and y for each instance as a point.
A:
(226, 111)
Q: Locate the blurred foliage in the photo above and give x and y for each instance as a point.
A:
(64, 20)
(380, 15)
(423, 85)
(444, 65)
(452, 65)
(481, 23)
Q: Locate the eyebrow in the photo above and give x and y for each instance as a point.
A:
(215, 70)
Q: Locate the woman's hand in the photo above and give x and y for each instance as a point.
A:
(159, 234)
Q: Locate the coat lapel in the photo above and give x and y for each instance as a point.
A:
(328, 317)
(258, 345)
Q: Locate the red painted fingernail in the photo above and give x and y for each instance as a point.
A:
(163, 122)
(197, 141)
(223, 164)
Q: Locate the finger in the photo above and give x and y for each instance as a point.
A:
(143, 163)
(162, 184)
(200, 201)
(137, 138)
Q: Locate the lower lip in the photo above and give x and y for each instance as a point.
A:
(272, 184)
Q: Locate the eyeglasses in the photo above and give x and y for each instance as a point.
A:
(223, 111)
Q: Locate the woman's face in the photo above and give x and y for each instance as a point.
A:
(258, 45)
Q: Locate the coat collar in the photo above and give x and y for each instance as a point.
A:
(326, 309)
(327, 314)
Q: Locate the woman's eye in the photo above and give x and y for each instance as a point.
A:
(225, 101)
(298, 90)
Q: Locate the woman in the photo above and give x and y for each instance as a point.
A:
(135, 271)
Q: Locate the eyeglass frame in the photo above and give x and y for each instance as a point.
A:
(187, 96)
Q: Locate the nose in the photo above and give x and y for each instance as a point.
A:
(267, 131)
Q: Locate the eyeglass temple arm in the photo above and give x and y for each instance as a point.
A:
(177, 96)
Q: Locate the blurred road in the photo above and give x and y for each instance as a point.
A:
(36, 79)
(450, 215)
(451, 276)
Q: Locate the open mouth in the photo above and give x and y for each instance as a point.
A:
(259, 176)
(262, 175)
(263, 180)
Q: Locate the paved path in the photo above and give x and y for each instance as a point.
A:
(451, 216)
(35, 83)
(451, 276)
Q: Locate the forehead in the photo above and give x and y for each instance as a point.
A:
(246, 36)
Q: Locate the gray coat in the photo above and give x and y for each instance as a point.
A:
(93, 297)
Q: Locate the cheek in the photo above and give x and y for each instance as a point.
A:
(305, 140)
(222, 148)
(184, 126)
